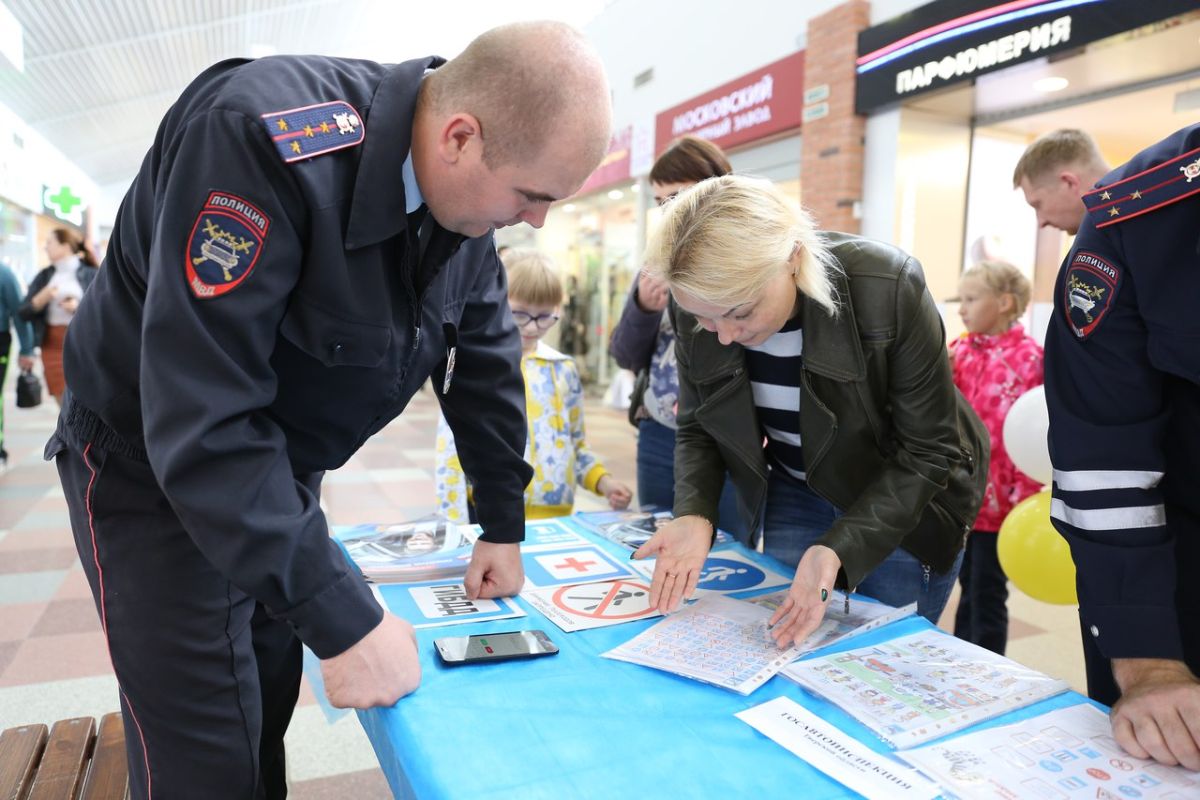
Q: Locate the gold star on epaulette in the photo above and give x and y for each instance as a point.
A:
(1114, 211)
(1105, 195)
(295, 147)
(282, 124)
(1136, 195)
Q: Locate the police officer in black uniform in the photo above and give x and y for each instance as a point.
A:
(1123, 388)
(308, 240)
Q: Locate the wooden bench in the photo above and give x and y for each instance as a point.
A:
(71, 761)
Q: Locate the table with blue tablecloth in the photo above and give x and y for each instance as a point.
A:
(577, 725)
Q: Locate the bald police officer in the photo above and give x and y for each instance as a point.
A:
(1123, 388)
(308, 240)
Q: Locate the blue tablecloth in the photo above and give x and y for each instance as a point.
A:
(577, 725)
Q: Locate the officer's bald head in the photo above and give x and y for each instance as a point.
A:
(527, 83)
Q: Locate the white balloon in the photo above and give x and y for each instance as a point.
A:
(1025, 430)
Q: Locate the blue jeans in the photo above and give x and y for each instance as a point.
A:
(656, 477)
(796, 517)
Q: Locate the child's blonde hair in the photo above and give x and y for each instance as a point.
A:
(1002, 278)
(532, 278)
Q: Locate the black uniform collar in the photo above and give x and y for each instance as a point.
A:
(377, 211)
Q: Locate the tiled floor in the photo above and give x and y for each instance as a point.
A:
(53, 662)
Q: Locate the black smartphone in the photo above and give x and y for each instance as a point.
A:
(456, 650)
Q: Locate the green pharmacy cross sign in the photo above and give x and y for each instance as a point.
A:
(64, 203)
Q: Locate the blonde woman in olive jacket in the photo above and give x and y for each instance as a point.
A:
(828, 348)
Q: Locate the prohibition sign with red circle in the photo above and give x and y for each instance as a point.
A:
(604, 604)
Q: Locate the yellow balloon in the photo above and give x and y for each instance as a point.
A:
(1034, 555)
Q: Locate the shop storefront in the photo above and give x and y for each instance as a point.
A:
(39, 191)
(755, 119)
(954, 92)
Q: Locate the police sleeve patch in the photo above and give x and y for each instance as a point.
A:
(308, 131)
(226, 242)
(1089, 290)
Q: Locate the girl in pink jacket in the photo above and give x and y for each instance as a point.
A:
(994, 364)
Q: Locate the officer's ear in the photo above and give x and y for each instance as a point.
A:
(461, 135)
(1071, 180)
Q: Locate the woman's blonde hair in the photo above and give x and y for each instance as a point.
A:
(532, 277)
(723, 240)
(1002, 278)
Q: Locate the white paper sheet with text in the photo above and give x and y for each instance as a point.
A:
(837, 754)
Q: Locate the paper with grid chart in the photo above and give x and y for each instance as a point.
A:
(838, 624)
(717, 640)
(1068, 752)
(919, 687)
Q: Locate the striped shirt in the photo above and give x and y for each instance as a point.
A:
(774, 370)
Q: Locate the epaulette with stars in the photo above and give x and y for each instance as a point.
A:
(1159, 186)
(308, 131)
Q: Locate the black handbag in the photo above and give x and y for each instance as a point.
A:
(29, 390)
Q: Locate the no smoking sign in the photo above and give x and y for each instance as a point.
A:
(593, 605)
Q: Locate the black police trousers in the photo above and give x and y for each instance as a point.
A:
(1101, 685)
(208, 679)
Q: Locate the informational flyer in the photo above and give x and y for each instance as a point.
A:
(563, 566)
(407, 552)
(837, 754)
(1065, 753)
(725, 573)
(433, 604)
(839, 624)
(632, 529)
(917, 688)
(593, 605)
(550, 532)
(717, 640)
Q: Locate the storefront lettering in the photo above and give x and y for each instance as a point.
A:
(713, 118)
(997, 51)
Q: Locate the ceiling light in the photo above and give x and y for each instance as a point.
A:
(615, 194)
(1051, 84)
(635, 188)
(569, 208)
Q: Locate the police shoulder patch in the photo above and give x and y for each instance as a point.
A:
(1089, 291)
(308, 131)
(226, 242)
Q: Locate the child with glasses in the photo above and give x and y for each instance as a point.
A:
(554, 408)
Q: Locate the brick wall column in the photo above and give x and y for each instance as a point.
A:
(831, 158)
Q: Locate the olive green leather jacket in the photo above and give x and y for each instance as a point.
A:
(887, 437)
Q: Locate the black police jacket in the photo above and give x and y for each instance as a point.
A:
(257, 319)
(1123, 391)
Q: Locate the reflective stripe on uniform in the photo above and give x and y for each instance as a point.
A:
(1109, 519)
(1087, 480)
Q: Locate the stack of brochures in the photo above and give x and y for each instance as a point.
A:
(632, 529)
(429, 549)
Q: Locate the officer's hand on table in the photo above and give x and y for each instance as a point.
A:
(804, 607)
(495, 570)
(680, 547)
(1158, 715)
(378, 670)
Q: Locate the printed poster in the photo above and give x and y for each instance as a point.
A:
(593, 605)
(437, 603)
(1065, 753)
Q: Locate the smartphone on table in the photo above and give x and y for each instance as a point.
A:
(455, 650)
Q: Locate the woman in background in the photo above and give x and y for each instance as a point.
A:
(53, 296)
(644, 341)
